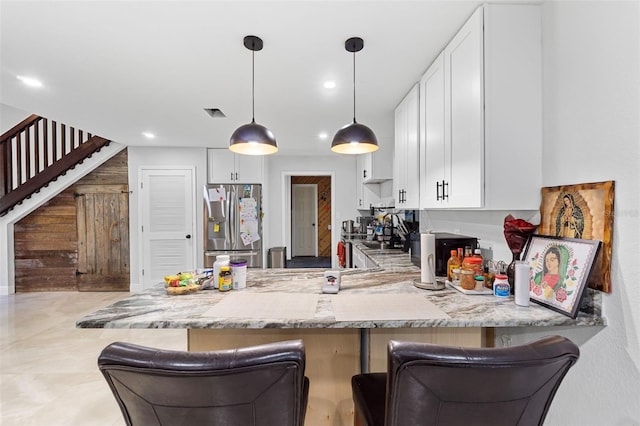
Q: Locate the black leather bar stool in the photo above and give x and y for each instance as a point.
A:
(260, 385)
(427, 384)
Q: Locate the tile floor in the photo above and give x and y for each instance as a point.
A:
(48, 368)
(309, 262)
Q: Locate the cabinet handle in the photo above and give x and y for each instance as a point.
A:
(399, 196)
(236, 175)
(437, 191)
(445, 194)
(231, 175)
(364, 174)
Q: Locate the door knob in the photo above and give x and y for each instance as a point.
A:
(188, 236)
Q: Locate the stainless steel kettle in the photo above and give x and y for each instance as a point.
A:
(347, 226)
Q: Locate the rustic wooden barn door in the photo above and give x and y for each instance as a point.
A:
(103, 237)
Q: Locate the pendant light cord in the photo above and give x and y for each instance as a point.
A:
(253, 86)
(354, 87)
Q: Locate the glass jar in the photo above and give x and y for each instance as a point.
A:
(467, 279)
(474, 264)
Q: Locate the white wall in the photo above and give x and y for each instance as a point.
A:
(10, 116)
(591, 69)
(342, 167)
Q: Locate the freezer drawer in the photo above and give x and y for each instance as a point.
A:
(253, 257)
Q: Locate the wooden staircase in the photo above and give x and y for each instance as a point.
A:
(35, 153)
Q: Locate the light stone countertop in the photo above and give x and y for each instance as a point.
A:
(153, 308)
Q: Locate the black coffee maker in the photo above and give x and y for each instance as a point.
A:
(445, 242)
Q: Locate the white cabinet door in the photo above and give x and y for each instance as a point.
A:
(220, 166)
(225, 166)
(463, 65)
(358, 258)
(412, 183)
(368, 193)
(249, 168)
(433, 155)
(406, 166)
(400, 153)
(376, 165)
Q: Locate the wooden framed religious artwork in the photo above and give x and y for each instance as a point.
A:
(583, 211)
(559, 271)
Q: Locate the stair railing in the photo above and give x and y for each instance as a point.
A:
(36, 152)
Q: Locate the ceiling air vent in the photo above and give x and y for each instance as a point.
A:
(215, 112)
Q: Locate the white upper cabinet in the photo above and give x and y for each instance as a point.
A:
(481, 114)
(435, 158)
(406, 165)
(368, 194)
(373, 169)
(225, 166)
(376, 167)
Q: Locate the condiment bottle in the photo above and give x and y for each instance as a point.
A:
(452, 264)
(479, 282)
(477, 253)
(467, 251)
(225, 280)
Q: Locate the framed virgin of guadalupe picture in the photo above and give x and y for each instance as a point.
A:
(559, 271)
(583, 211)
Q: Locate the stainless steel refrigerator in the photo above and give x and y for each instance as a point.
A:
(233, 223)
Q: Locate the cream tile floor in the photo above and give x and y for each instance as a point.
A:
(48, 368)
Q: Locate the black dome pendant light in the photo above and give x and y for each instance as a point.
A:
(253, 138)
(354, 138)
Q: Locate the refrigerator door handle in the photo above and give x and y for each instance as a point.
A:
(232, 216)
(232, 252)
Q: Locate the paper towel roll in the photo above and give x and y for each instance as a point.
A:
(521, 283)
(428, 258)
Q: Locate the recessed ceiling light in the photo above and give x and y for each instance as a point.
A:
(323, 135)
(30, 81)
(148, 135)
(329, 84)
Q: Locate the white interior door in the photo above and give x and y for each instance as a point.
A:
(305, 219)
(168, 231)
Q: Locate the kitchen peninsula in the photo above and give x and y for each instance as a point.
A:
(338, 329)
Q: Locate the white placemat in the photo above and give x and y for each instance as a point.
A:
(288, 306)
(379, 307)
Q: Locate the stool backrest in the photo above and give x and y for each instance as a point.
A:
(259, 385)
(439, 385)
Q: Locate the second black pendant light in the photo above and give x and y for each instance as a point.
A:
(354, 138)
(253, 138)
